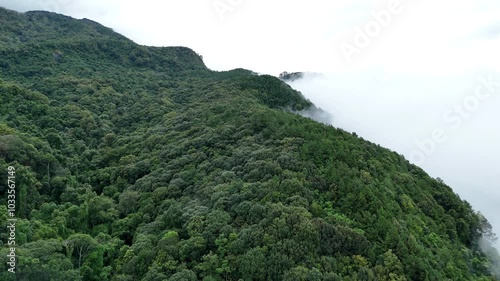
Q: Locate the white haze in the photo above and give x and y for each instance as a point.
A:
(394, 92)
(492, 255)
(399, 111)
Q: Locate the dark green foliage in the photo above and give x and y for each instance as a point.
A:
(138, 163)
(273, 92)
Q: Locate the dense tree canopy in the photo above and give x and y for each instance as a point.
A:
(139, 163)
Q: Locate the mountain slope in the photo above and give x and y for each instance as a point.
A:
(139, 163)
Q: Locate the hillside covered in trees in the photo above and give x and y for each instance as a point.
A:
(139, 163)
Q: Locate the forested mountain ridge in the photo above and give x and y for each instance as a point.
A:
(139, 163)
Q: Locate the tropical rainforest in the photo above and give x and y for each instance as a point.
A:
(140, 163)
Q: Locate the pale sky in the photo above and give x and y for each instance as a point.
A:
(418, 61)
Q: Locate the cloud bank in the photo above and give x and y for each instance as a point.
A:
(402, 112)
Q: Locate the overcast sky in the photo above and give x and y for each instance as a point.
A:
(415, 76)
